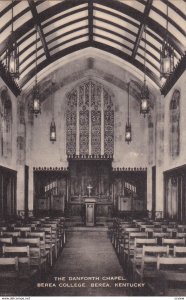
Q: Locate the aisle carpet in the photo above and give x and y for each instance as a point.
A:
(87, 266)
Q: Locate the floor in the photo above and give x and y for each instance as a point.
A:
(87, 266)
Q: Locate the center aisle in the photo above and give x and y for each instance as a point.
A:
(86, 254)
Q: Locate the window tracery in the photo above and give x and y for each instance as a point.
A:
(175, 124)
(90, 120)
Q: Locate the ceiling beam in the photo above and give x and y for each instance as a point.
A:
(170, 20)
(90, 20)
(54, 39)
(116, 15)
(76, 37)
(39, 27)
(137, 15)
(142, 26)
(58, 45)
(176, 9)
(15, 18)
(55, 19)
(128, 58)
(116, 5)
(45, 15)
(97, 45)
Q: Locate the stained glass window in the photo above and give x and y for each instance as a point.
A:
(175, 124)
(90, 120)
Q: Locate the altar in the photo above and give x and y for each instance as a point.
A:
(89, 194)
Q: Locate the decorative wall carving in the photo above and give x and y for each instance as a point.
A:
(90, 120)
(160, 132)
(174, 139)
(150, 140)
(108, 123)
(21, 131)
(84, 119)
(71, 123)
(95, 118)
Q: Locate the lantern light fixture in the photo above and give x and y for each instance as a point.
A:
(52, 125)
(36, 103)
(12, 52)
(144, 97)
(166, 54)
(128, 128)
(53, 131)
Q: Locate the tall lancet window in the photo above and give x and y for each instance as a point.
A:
(6, 123)
(174, 139)
(90, 120)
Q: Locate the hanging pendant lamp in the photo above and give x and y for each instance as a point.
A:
(166, 54)
(52, 125)
(144, 98)
(12, 52)
(128, 128)
(36, 103)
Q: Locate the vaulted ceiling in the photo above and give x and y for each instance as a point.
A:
(114, 26)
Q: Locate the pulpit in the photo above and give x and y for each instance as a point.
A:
(90, 204)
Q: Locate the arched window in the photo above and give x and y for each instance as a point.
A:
(150, 139)
(89, 120)
(6, 123)
(174, 140)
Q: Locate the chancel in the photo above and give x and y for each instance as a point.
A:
(92, 147)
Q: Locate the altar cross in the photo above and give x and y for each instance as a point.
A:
(89, 187)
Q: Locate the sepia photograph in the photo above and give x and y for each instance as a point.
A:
(92, 148)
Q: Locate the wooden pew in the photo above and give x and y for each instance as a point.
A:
(11, 234)
(37, 260)
(123, 238)
(3, 228)
(50, 246)
(129, 249)
(148, 269)
(181, 228)
(19, 251)
(22, 228)
(8, 274)
(181, 235)
(173, 242)
(44, 251)
(135, 262)
(129, 245)
(173, 275)
(179, 251)
(55, 236)
(6, 240)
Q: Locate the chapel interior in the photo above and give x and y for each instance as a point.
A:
(93, 147)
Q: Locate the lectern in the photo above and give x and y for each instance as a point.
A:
(90, 204)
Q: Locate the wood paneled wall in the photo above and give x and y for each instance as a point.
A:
(8, 182)
(50, 191)
(97, 173)
(175, 194)
(125, 196)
